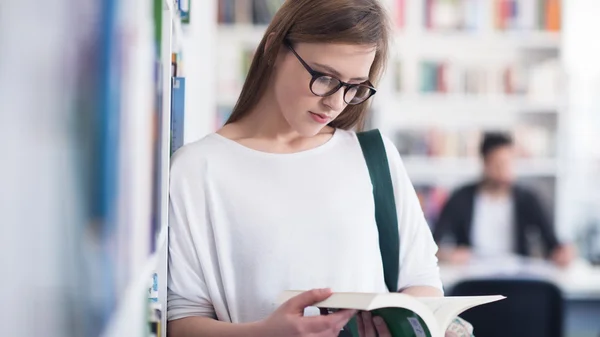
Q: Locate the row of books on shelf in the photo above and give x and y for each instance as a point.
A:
(540, 82)
(245, 12)
(532, 15)
(125, 187)
(531, 141)
(444, 77)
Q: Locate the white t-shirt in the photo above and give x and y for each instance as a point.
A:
(492, 230)
(246, 225)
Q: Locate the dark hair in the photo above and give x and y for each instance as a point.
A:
(494, 140)
(318, 21)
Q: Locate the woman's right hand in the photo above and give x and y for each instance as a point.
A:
(289, 320)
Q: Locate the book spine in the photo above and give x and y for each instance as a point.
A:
(401, 13)
(498, 14)
(177, 113)
(541, 18)
(428, 13)
(184, 10)
(553, 13)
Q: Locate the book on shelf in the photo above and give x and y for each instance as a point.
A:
(184, 7)
(466, 78)
(540, 15)
(470, 15)
(539, 82)
(405, 316)
(246, 12)
(432, 199)
(400, 13)
(435, 142)
(177, 113)
(530, 141)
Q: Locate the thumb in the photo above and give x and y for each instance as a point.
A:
(307, 298)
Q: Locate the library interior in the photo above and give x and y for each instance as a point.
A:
(492, 106)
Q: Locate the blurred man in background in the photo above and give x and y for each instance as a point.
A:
(493, 217)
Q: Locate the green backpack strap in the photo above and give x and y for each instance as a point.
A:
(385, 206)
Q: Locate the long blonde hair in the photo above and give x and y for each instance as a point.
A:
(361, 22)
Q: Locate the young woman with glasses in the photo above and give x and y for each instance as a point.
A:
(280, 198)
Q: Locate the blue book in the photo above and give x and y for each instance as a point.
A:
(184, 10)
(177, 113)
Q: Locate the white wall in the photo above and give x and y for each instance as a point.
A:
(199, 68)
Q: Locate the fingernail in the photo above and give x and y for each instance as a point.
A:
(378, 320)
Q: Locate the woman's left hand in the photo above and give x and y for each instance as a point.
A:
(371, 326)
(374, 326)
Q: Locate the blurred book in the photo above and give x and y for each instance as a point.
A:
(177, 113)
(539, 15)
(400, 13)
(531, 141)
(432, 199)
(470, 15)
(255, 12)
(465, 78)
(183, 7)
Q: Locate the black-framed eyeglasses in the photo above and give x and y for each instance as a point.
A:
(324, 85)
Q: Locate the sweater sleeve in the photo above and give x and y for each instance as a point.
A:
(187, 292)
(418, 261)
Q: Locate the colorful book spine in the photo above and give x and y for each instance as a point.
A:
(400, 13)
(177, 113)
(183, 7)
(553, 13)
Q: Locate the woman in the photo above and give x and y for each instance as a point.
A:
(280, 197)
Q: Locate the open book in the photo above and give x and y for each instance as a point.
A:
(405, 316)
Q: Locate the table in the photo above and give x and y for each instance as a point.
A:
(580, 284)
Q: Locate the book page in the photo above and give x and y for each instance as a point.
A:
(445, 309)
(400, 322)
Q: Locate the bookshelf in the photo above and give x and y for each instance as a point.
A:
(170, 66)
(459, 68)
(145, 148)
(456, 67)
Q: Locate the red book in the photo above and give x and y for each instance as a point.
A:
(401, 13)
(428, 13)
(442, 85)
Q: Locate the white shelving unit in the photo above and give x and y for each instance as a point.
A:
(131, 317)
(454, 112)
(424, 170)
(411, 109)
(169, 21)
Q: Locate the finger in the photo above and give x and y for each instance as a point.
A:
(361, 326)
(335, 321)
(382, 328)
(299, 302)
(368, 324)
(345, 318)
